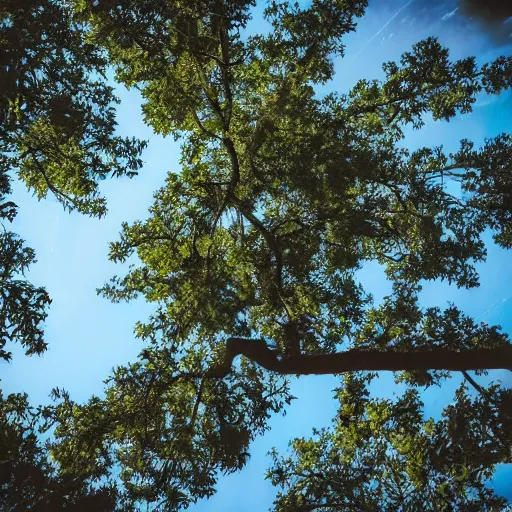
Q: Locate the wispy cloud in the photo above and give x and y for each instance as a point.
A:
(365, 45)
(450, 14)
(491, 307)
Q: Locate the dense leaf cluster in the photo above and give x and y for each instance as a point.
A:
(29, 479)
(22, 306)
(384, 455)
(282, 196)
(58, 120)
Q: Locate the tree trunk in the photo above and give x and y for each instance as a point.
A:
(370, 360)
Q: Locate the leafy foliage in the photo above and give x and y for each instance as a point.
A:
(384, 455)
(169, 433)
(22, 306)
(283, 195)
(28, 478)
(57, 112)
(57, 135)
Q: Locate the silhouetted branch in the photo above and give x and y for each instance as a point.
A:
(362, 360)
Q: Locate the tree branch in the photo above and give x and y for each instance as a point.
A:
(233, 182)
(196, 405)
(203, 128)
(61, 196)
(362, 360)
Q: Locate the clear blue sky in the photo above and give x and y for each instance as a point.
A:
(88, 335)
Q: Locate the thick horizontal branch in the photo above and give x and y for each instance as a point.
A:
(435, 358)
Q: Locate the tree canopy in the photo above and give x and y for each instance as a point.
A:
(253, 248)
(28, 478)
(57, 135)
(384, 455)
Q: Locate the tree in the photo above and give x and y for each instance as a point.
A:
(253, 248)
(28, 478)
(57, 135)
(283, 195)
(384, 455)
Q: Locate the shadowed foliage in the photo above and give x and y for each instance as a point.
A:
(57, 135)
(384, 455)
(29, 480)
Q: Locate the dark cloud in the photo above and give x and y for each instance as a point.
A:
(494, 12)
(490, 15)
(465, 17)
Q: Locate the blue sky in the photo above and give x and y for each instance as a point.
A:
(88, 335)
